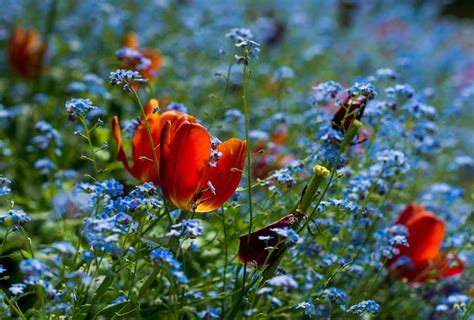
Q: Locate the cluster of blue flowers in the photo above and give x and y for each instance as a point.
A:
(127, 78)
(166, 258)
(78, 107)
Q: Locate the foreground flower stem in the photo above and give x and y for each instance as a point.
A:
(249, 177)
(153, 146)
(13, 305)
(224, 273)
(148, 131)
(87, 136)
(224, 96)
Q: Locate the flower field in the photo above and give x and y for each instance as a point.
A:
(206, 159)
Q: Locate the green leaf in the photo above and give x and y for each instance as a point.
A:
(110, 310)
(104, 286)
(26, 254)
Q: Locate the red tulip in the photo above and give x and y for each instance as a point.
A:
(143, 167)
(264, 251)
(193, 179)
(155, 57)
(26, 52)
(425, 260)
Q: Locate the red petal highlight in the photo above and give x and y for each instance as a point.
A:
(411, 211)
(116, 132)
(225, 176)
(426, 232)
(184, 161)
(144, 168)
(26, 52)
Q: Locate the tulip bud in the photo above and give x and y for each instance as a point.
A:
(319, 174)
(351, 133)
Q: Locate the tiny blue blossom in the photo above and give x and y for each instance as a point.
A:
(45, 166)
(78, 107)
(17, 288)
(308, 308)
(282, 73)
(5, 188)
(283, 281)
(363, 89)
(210, 313)
(18, 218)
(164, 256)
(176, 106)
(324, 92)
(289, 234)
(186, 228)
(126, 77)
(366, 306)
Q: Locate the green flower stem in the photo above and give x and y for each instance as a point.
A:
(224, 273)
(13, 305)
(224, 96)
(147, 128)
(319, 174)
(28, 241)
(152, 143)
(87, 136)
(249, 171)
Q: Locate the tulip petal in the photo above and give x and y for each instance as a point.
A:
(451, 266)
(150, 107)
(426, 232)
(121, 156)
(225, 176)
(144, 167)
(184, 161)
(156, 61)
(131, 40)
(411, 211)
(263, 251)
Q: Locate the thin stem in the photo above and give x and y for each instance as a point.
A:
(224, 96)
(224, 273)
(249, 177)
(87, 136)
(147, 127)
(4, 240)
(13, 305)
(28, 240)
(153, 146)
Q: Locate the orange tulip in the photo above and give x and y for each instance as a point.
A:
(155, 57)
(425, 260)
(264, 251)
(193, 179)
(26, 52)
(143, 167)
(192, 175)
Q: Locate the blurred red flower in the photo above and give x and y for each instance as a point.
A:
(26, 52)
(154, 56)
(268, 155)
(423, 260)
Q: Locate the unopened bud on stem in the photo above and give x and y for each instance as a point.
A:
(351, 133)
(319, 174)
